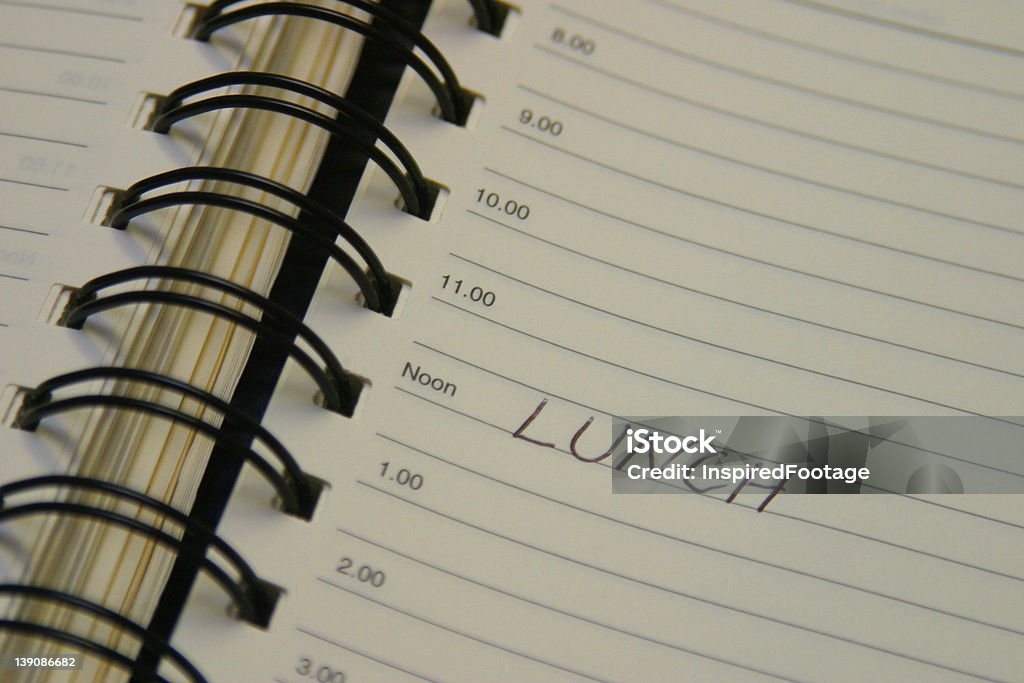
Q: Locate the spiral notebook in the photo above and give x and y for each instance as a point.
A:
(322, 320)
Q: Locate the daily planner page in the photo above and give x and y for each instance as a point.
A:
(663, 208)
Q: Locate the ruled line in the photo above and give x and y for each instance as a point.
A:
(708, 495)
(34, 138)
(697, 104)
(26, 230)
(737, 255)
(30, 184)
(801, 179)
(906, 28)
(783, 84)
(765, 408)
(640, 582)
(14, 277)
(554, 609)
(711, 493)
(723, 299)
(56, 96)
(449, 629)
(69, 10)
(64, 53)
(846, 56)
(962, 511)
(697, 340)
(696, 653)
(696, 544)
(733, 399)
(712, 496)
(365, 655)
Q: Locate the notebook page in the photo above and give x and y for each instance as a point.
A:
(75, 73)
(53, 126)
(807, 209)
(65, 98)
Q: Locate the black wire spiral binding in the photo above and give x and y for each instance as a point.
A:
(302, 494)
(254, 598)
(321, 214)
(109, 488)
(453, 101)
(115, 619)
(278, 325)
(173, 109)
(232, 429)
(125, 214)
(408, 190)
(254, 602)
(400, 30)
(31, 415)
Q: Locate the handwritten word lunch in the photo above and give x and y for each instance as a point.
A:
(715, 467)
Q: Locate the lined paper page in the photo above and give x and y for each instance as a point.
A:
(77, 71)
(731, 209)
(67, 99)
(73, 74)
(55, 105)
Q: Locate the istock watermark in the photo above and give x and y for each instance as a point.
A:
(769, 455)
